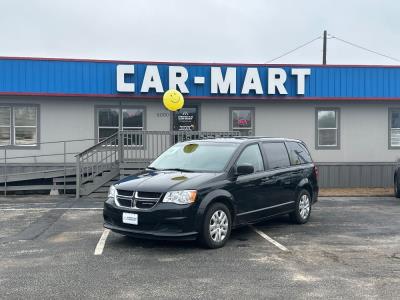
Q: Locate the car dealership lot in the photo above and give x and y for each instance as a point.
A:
(349, 249)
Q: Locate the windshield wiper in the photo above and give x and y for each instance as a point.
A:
(178, 169)
(151, 168)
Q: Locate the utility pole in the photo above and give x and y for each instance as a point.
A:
(324, 48)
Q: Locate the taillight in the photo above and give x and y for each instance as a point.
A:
(316, 171)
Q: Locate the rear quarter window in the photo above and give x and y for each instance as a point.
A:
(277, 155)
(298, 153)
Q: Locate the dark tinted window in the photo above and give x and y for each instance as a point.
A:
(277, 156)
(298, 154)
(252, 156)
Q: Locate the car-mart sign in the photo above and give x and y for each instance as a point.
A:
(219, 80)
(143, 80)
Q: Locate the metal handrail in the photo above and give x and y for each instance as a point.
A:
(51, 142)
(99, 143)
(40, 155)
(41, 171)
(88, 164)
(63, 153)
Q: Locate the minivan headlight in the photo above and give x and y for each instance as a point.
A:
(112, 192)
(180, 197)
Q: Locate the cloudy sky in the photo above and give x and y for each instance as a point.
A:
(248, 31)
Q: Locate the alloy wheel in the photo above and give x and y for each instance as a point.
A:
(304, 206)
(218, 227)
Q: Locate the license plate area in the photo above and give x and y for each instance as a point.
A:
(129, 218)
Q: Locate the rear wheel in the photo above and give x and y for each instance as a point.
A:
(216, 226)
(396, 187)
(303, 208)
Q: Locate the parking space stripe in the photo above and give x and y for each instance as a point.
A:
(101, 243)
(269, 239)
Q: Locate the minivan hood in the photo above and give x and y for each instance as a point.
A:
(163, 181)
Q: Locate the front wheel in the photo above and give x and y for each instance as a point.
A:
(216, 227)
(303, 208)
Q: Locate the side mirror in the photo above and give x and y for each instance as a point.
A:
(244, 169)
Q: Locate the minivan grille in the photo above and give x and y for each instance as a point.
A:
(148, 195)
(125, 193)
(142, 200)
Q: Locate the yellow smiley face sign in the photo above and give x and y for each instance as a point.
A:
(173, 100)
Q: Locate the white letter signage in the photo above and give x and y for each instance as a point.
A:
(123, 86)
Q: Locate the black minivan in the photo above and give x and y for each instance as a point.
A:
(202, 189)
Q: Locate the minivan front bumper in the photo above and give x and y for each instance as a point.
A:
(165, 221)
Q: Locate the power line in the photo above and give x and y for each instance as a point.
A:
(364, 48)
(295, 49)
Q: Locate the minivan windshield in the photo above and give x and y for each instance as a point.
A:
(195, 157)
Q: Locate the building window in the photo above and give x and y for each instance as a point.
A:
(5, 125)
(394, 128)
(25, 125)
(242, 120)
(19, 125)
(327, 128)
(109, 121)
(132, 119)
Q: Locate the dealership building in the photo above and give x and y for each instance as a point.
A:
(348, 115)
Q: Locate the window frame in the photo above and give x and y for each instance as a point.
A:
(120, 120)
(97, 127)
(19, 126)
(338, 129)
(267, 167)
(241, 152)
(253, 119)
(287, 144)
(9, 126)
(12, 144)
(390, 112)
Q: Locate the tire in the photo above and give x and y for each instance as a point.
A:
(303, 208)
(216, 227)
(396, 187)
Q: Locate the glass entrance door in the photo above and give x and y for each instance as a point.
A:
(185, 120)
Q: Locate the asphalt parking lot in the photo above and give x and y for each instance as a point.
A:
(350, 249)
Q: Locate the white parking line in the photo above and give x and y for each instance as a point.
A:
(101, 243)
(269, 239)
(52, 208)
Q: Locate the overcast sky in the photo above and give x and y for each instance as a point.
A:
(247, 31)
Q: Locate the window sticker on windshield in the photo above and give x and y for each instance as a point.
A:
(190, 148)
